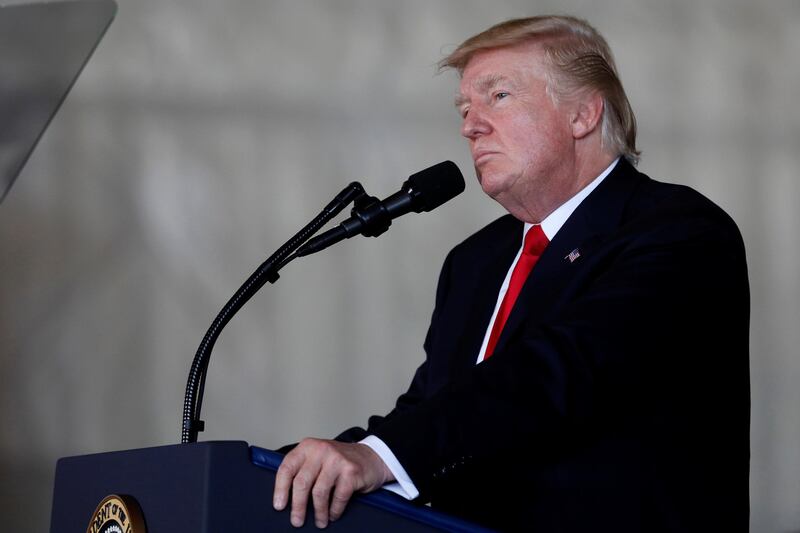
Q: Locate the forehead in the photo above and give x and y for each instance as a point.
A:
(512, 64)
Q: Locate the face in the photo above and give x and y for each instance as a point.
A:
(521, 142)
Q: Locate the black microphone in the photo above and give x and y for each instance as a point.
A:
(423, 191)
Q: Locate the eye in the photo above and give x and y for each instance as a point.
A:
(463, 111)
(499, 95)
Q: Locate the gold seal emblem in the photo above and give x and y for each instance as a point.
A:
(117, 514)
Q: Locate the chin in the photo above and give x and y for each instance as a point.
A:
(492, 185)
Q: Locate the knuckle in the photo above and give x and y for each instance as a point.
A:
(301, 482)
(320, 491)
(336, 460)
(344, 489)
(350, 469)
(292, 461)
(341, 497)
(315, 447)
(307, 442)
(287, 466)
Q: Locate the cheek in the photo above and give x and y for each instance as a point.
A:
(526, 122)
(531, 139)
(542, 149)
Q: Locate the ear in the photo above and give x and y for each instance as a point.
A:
(587, 114)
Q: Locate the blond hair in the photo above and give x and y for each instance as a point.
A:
(577, 58)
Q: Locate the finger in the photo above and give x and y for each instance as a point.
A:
(341, 495)
(301, 486)
(321, 494)
(283, 479)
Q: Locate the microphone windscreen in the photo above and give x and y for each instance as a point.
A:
(435, 185)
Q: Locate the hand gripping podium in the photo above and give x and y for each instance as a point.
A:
(213, 487)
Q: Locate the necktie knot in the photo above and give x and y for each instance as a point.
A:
(535, 241)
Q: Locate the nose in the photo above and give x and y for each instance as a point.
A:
(475, 124)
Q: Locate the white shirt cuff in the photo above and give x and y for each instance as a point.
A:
(403, 486)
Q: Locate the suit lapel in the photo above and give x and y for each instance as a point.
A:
(588, 226)
(494, 262)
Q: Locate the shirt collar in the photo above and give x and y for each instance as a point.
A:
(553, 222)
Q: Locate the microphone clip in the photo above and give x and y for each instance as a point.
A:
(369, 217)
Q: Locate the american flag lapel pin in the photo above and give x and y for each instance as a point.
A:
(573, 255)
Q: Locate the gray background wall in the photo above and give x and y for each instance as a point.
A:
(203, 133)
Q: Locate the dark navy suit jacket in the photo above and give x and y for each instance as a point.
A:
(617, 398)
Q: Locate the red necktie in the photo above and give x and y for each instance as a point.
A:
(535, 243)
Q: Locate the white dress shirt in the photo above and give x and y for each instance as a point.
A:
(550, 226)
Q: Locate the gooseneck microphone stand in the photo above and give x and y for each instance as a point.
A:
(423, 191)
(268, 271)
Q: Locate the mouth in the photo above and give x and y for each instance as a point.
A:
(481, 156)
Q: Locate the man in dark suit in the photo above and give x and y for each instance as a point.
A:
(587, 361)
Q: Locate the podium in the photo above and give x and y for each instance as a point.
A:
(214, 487)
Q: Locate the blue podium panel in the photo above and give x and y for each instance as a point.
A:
(214, 487)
